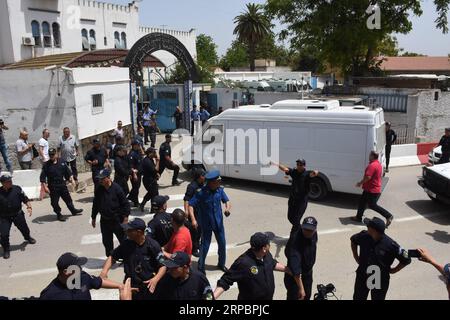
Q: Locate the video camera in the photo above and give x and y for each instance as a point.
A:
(323, 291)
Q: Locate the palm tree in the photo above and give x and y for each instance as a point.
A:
(251, 28)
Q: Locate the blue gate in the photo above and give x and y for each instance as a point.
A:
(164, 118)
(212, 103)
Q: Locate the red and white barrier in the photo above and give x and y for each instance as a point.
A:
(403, 155)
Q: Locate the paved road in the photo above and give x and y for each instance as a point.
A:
(256, 207)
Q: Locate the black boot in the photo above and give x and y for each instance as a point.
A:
(76, 212)
(6, 254)
(60, 217)
(31, 240)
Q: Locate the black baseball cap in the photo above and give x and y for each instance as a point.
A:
(105, 173)
(135, 224)
(259, 240)
(301, 161)
(5, 177)
(95, 141)
(159, 201)
(51, 152)
(177, 259)
(168, 135)
(197, 173)
(376, 224)
(309, 223)
(70, 259)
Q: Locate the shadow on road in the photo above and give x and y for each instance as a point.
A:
(439, 236)
(347, 221)
(19, 247)
(433, 211)
(95, 264)
(86, 200)
(52, 218)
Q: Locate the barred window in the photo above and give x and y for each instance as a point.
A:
(97, 103)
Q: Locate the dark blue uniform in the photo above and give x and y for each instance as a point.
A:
(122, 172)
(254, 277)
(391, 137)
(298, 198)
(113, 207)
(209, 205)
(445, 145)
(191, 190)
(381, 254)
(196, 287)
(149, 179)
(101, 155)
(11, 212)
(141, 263)
(301, 257)
(135, 160)
(166, 150)
(160, 228)
(56, 175)
(59, 291)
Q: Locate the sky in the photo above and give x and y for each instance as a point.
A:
(215, 18)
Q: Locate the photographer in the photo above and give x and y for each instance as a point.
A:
(444, 270)
(4, 147)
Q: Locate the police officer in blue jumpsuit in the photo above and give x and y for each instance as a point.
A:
(210, 217)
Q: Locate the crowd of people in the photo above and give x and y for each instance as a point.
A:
(157, 256)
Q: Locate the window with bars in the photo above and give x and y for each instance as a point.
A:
(97, 103)
(85, 40)
(46, 34)
(124, 40)
(36, 32)
(116, 40)
(56, 35)
(92, 40)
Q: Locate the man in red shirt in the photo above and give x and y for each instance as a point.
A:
(371, 184)
(181, 237)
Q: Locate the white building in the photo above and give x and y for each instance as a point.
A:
(32, 28)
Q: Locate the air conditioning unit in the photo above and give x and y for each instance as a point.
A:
(28, 41)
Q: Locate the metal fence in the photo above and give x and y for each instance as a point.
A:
(389, 102)
(405, 135)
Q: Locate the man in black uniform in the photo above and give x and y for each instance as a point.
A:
(135, 159)
(165, 154)
(298, 199)
(301, 256)
(445, 145)
(142, 258)
(97, 158)
(376, 250)
(153, 130)
(58, 289)
(11, 199)
(53, 178)
(181, 282)
(150, 176)
(160, 227)
(194, 187)
(122, 169)
(253, 272)
(114, 209)
(391, 137)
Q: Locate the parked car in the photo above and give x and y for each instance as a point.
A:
(435, 155)
(435, 181)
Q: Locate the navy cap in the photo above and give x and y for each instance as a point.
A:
(376, 223)
(301, 161)
(95, 141)
(159, 201)
(197, 173)
(70, 259)
(5, 177)
(177, 259)
(51, 151)
(135, 224)
(168, 135)
(259, 240)
(105, 173)
(134, 142)
(213, 175)
(309, 223)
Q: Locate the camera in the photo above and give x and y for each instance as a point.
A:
(323, 291)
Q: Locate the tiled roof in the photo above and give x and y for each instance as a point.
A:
(415, 64)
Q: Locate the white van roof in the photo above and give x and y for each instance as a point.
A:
(299, 111)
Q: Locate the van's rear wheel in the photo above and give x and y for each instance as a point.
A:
(318, 189)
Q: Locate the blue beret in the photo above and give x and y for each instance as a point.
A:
(213, 175)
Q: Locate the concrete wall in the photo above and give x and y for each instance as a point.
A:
(6, 52)
(433, 116)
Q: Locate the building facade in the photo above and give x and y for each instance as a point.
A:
(33, 28)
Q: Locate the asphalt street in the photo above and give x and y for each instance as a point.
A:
(419, 222)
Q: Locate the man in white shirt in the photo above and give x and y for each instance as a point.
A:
(24, 151)
(118, 132)
(43, 146)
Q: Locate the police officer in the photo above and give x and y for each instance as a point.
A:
(97, 158)
(153, 130)
(391, 137)
(114, 209)
(298, 198)
(58, 289)
(301, 257)
(53, 178)
(122, 169)
(160, 227)
(194, 187)
(181, 282)
(208, 203)
(135, 160)
(253, 271)
(150, 176)
(142, 258)
(11, 199)
(445, 145)
(377, 253)
(165, 154)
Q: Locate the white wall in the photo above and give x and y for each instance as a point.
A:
(6, 52)
(113, 83)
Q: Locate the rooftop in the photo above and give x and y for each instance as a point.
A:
(415, 63)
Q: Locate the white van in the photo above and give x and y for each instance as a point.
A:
(332, 139)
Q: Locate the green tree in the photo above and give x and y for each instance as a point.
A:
(251, 28)
(236, 56)
(412, 54)
(339, 27)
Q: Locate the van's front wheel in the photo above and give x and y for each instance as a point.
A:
(318, 189)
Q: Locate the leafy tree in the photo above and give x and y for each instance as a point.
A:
(251, 28)
(236, 56)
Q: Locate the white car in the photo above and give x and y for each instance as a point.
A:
(435, 181)
(435, 155)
